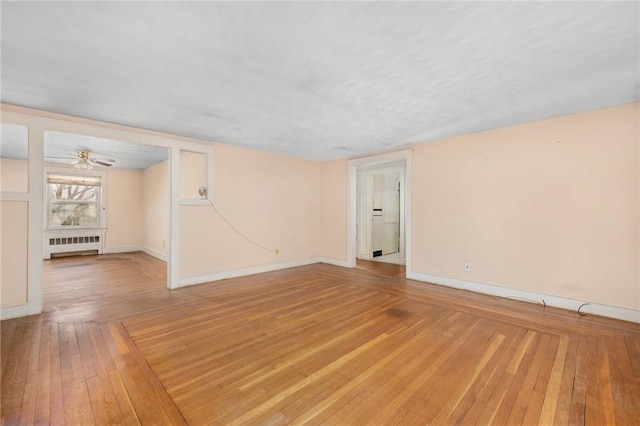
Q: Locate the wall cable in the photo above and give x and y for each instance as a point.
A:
(237, 231)
(581, 306)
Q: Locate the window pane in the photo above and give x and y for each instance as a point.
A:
(74, 201)
(74, 214)
(64, 192)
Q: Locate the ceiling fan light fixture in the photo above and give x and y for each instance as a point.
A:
(83, 165)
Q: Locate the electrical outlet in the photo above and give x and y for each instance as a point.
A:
(164, 244)
(467, 266)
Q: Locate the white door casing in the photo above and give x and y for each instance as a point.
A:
(357, 235)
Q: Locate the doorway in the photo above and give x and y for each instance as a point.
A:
(379, 222)
(385, 179)
(104, 196)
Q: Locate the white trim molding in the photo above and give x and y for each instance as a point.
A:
(154, 253)
(35, 298)
(14, 312)
(235, 273)
(173, 258)
(335, 262)
(531, 297)
(114, 250)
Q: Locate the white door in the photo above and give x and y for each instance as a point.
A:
(377, 214)
(379, 209)
(391, 213)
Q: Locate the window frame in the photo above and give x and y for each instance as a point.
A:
(101, 202)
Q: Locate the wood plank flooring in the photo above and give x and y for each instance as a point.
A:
(312, 345)
(382, 268)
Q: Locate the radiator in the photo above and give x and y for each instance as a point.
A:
(72, 241)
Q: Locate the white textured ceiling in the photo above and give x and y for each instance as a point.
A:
(320, 80)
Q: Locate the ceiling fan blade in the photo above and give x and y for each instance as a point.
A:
(108, 160)
(61, 158)
(102, 163)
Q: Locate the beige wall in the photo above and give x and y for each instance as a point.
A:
(14, 175)
(193, 174)
(155, 188)
(334, 197)
(13, 252)
(125, 210)
(274, 200)
(549, 207)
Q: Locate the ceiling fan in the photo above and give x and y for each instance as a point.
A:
(83, 159)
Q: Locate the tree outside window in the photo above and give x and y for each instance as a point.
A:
(74, 201)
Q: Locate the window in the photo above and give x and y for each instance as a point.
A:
(74, 201)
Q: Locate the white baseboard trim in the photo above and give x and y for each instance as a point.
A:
(245, 271)
(154, 253)
(112, 250)
(14, 312)
(335, 262)
(532, 297)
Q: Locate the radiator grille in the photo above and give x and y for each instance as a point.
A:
(74, 240)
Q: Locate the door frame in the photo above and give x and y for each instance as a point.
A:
(396, 158)
(364, 185)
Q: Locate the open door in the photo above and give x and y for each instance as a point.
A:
(379, 214)
(391, 213)
(356, 213)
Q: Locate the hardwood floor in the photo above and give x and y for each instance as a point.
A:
(389, 269)
(317, 344)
